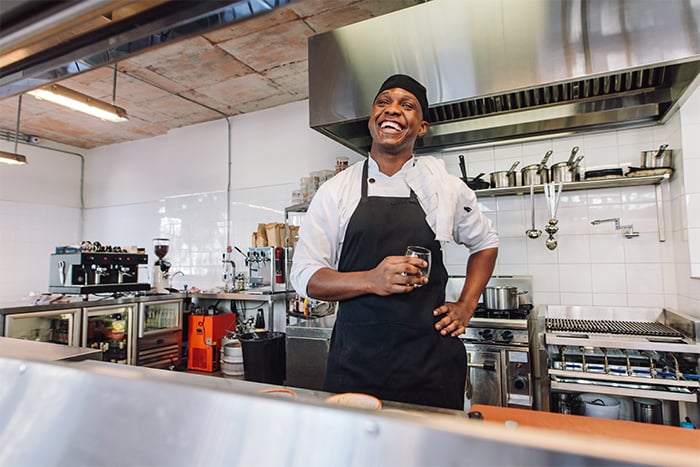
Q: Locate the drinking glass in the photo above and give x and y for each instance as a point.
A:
(422, 253)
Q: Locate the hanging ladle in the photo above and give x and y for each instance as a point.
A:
(552, 195)
(533, 232)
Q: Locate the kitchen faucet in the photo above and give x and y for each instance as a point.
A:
(172, 276)
(630, 228)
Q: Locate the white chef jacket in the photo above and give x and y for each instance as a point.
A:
(450, 206)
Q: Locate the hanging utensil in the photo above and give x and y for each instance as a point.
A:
(552, 195)
(533, 232)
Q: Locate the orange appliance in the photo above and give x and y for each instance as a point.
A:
(204, 340)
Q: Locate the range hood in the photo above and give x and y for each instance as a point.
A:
(500, 70)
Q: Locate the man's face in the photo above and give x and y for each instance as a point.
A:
(396, 120)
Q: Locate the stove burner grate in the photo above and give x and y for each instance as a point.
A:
(522, 312)
(634, 328)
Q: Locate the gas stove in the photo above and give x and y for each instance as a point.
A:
(497, 346)
(505, 327)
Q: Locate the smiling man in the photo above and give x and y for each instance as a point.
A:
(395, 337)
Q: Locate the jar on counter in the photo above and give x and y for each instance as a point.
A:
(341, 163)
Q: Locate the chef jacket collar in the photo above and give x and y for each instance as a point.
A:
(373, 167)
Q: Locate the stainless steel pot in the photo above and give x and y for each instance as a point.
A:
(502, 297)
(565, 171)
(661, 157)
(561, 172)
(536, 174)
(648, 411)
(504, 178)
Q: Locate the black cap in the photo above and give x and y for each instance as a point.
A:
(411, 85)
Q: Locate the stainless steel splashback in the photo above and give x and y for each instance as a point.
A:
(501, 69)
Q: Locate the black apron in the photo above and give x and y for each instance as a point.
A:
(388, 346)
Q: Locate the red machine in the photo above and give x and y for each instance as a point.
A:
(204, 340)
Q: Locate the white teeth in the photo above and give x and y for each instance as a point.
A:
(388, 124)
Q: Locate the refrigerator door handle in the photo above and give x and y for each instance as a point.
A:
(142, 312)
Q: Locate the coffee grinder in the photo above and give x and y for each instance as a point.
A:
(161, 268)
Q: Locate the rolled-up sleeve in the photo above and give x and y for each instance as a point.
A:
(471, 227)
(319, 240)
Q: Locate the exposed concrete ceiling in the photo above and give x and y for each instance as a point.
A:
(251, 65)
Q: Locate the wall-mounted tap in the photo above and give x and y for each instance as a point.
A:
(630, 233)
(172, 276)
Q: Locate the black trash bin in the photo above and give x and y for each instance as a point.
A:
(264, 359)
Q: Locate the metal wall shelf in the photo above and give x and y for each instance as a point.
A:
(595, 184)
(571, 186)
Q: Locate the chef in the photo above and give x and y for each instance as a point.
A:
(395, 337)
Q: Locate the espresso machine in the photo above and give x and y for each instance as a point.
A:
(266, 268)
(161, 267)
(94, 268)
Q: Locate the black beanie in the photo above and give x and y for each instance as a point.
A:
(411, 85)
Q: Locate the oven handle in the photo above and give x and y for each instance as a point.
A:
(488, 365)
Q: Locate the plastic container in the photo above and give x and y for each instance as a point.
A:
(264, 357)
(600, 406)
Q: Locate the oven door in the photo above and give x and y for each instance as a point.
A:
(484, 376)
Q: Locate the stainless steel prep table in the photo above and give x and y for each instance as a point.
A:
(44, 351)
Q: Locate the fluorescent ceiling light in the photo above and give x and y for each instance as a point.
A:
(12, 158)
(78, 101)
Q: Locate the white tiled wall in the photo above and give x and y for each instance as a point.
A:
(170, 186)
(593, 264)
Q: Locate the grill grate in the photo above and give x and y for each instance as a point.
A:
(634, 328)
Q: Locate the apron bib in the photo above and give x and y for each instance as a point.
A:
(388, 346)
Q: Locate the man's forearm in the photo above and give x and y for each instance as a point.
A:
(479, 269)
(330, 285)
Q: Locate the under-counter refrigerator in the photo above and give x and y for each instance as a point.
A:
(159, 329)
(110, 329)
(55, 326)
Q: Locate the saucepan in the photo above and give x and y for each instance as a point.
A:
(661, 157)
(536, 174)
(567, 171)
(504, 178)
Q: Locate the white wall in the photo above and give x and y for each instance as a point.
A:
(39, 209)
(175, 186)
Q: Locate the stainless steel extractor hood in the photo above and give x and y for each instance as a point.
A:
(503, 69)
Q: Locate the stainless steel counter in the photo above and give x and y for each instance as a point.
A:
(98, 301)
(169, 418)
(44, 351)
